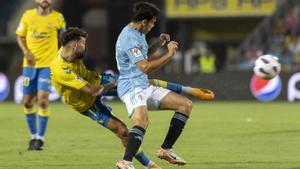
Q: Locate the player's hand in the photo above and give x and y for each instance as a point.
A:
(103, 88)
(30, 58)
(163, 39)
(172, 48)
(109, 86)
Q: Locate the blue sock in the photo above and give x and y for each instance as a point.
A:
(31, 122)
(174, 87)
(43, 120)
(177, 88)
(142, 158)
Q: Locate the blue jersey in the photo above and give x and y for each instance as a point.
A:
(131, 48)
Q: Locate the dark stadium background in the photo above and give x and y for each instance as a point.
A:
(234, 39)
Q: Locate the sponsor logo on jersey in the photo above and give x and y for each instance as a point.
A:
(67, 70)
(136, 52)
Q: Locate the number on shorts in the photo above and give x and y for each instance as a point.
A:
(26, 81)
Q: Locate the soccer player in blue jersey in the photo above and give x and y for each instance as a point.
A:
(138, 94)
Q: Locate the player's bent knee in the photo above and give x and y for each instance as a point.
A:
(43, 104)
(142, 121)
(28, 104)
(189, 105)
(186, 108)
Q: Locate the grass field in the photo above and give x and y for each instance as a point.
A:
(220, 135)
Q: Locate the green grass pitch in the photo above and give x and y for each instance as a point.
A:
(219, 135)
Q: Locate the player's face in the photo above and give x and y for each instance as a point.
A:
(149, 25)
(44, 3)
(80, 50)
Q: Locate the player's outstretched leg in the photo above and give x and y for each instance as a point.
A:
(183, 108)
(199, 93)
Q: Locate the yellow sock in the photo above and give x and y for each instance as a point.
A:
(44, 112)
(160, 83)
(139, 150)
(29, 110)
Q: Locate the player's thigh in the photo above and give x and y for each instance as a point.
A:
(136, 98)
(174, 101)
(29, 100)
(43, 96)
(29, 81)
(43, 79)
(140, 116)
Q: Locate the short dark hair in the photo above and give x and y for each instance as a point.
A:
(144, 10)
(72, 33)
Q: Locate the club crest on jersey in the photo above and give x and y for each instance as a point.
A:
(50, 26)
(67, 70)
(136, 52)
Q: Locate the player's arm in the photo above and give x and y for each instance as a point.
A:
(163, 38)
(65, 76)
(22, 44)
(21, 34)
(61, 27)
(98, 89)
(149, 66)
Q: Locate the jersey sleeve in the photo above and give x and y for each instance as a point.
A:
(61, 23)
(133, 50)
(67, 77)
(22, 27)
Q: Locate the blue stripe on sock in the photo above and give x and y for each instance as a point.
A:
(137, 131)
(174, 87)
(31, 122)
(43, 120)
(180, 117)
(142, 158)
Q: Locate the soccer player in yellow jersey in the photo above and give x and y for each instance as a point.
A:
(82, 89)
(37, 36)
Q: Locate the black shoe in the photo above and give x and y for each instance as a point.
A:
(31, 144)
(38, 145)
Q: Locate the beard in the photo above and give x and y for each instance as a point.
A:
(81, 54)
(44, 5)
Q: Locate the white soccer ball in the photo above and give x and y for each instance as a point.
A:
(267, 66)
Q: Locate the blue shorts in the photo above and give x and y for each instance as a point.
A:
(36, 79)
(99, 112)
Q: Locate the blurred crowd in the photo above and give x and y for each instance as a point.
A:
(5, 13)
(283, 43)
(198, 56)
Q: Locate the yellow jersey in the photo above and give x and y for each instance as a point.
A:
(41, 34)
(68, 78)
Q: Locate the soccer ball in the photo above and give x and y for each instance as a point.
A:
(267, 67)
